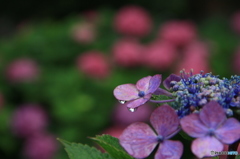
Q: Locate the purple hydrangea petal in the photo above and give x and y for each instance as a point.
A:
(203, 146)
(164, 120)
(161, 91)
(169, 150)
(154, 83)
(229, 132)
(138, 102)
(170, 78)
(126, 92)
(193, 126)
(138, 140)
(143, 84)
(212, 115)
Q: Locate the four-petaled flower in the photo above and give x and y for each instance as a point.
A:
(139, 140)
(211, 128)
(140, 93)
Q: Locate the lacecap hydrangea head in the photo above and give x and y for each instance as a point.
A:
(192, 92)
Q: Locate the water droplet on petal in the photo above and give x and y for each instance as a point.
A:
(132, 109)
(122, 101)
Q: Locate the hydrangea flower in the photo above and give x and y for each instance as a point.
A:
(127, 52)
(211, 128)
(178, 32)
(192, 92)
(196, 56)
(140, 93)
(94, 64)
(139, 140)
(40, 146)
(84, 33)
(133, 20)
(159, 55)
(22, 70)
(28, 120)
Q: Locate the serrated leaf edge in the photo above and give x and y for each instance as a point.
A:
(123, 151)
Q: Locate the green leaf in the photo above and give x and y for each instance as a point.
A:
(112, 146)
(80, 151)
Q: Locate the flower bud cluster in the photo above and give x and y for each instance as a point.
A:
(194, 91)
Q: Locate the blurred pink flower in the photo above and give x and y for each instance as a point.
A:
(28, 120)
(114, 131)
(196, 57)
(197, 47)
(159, 55)
(235, 22)
(84, 33)
(236, 61)
(127, 52)
(122, 116)
(40, 146)
(133, 20)
(178, 32)
(22, 70)
(94, 64)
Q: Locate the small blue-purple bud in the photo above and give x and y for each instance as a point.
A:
(141, 94)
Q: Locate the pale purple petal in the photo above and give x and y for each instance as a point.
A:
(126, 92)
(138, 140)
(154, 83)
(203, 146)
(193, 126)
(169, 150)
(229, 132)
(143, 84)
(170, 78)
(212, 115)
(164, 120)
(138, 102)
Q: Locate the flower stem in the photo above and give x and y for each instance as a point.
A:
(162, 101)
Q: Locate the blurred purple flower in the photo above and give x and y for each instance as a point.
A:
(124, 117)
(140, 93)
(28, 120)
(211, 128)
(139, 140)
(40, 146)
(22, 70)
